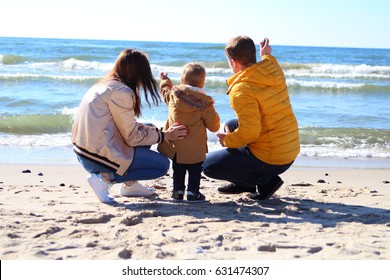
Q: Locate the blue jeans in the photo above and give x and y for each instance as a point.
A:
(240, 166)
(146, 165)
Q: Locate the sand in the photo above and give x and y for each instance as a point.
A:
(49, 212)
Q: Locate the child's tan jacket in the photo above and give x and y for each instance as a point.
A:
(190, 106)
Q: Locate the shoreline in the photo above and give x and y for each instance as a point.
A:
(65, 156)
(319, 213)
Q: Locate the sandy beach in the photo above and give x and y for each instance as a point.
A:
(49, 212)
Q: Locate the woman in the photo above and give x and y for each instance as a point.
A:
(110, 144)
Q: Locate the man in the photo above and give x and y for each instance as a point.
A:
(263, 141)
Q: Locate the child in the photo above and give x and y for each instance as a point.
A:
(189, 105)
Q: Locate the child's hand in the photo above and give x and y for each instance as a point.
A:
(164, 75)
(265, 48)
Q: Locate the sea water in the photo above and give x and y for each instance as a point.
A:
(341, 96)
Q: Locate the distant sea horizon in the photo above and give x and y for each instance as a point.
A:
(340, 95)
(187, 42)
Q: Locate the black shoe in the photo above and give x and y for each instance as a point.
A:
(195, 197)
(177, 195)
(234, 189)
(266, 191)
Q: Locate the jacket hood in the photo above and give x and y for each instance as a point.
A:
(193, 96)
(261, 73)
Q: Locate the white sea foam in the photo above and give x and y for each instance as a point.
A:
(69, 64)
(75, 69)
(324, 84)
(47, 76)
(75, 64)
(40, 140)
(329, 150)
(337, 152)
(339, 71)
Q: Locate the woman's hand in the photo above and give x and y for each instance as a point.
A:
(176, 132)
(265, 48)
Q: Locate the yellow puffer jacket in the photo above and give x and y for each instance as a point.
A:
(267, 124)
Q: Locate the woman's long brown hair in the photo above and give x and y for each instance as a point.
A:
(133, 69)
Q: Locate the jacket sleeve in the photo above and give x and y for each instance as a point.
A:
(211, 120)
(121, 106)
(165, 89)
(249, 121)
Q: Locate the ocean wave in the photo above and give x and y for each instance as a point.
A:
(345, 142)
(177, 70)
(54, 131)
(11, 62)
(69, 64)
(38, 140)
(213, 80)
(299, 75)
(338, 142)
(323, 84)
(12, 59)
(310, 70)
(36, 124)
(336, 152)
(75, 64)
(43, 77)
(338, 71)
(64, 140)
(345, 137)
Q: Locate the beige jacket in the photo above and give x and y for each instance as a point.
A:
(192, 107)
(105, 129)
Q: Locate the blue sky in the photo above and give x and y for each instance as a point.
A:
(339, 23)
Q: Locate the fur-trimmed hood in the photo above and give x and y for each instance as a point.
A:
(193, 96)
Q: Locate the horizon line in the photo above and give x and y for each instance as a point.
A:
(185, 42)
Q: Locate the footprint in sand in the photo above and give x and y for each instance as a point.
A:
(137, 219)
(100, 220)
(49, 231)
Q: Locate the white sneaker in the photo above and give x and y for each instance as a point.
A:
(100, 187)
(135, 189)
